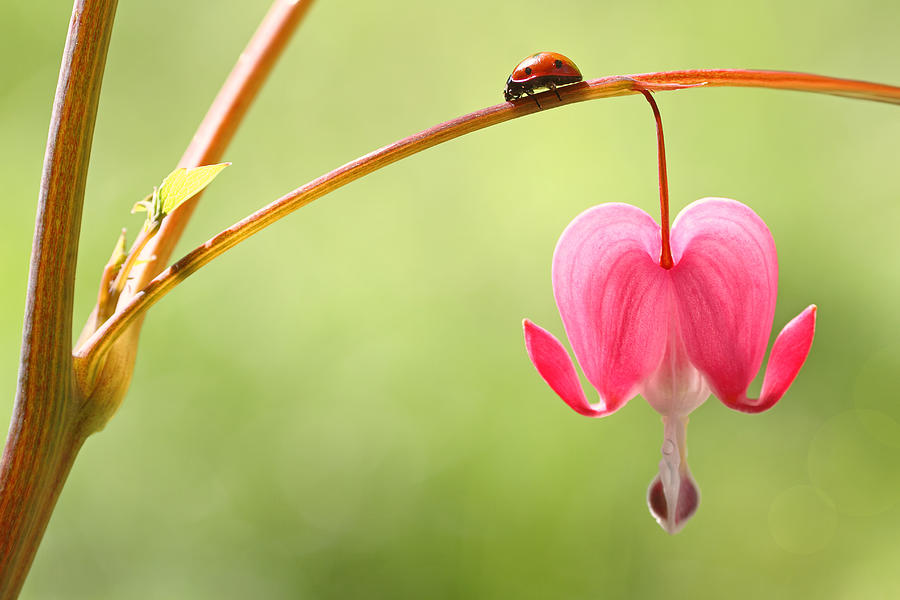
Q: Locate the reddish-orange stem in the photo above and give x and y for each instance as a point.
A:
(222, 120)
(93, 350)
(105, 380)
(780, 80)
(665, 257)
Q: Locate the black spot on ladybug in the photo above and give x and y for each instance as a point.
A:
(528, 70)
(557, 64)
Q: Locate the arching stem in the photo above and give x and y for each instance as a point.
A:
(665, 258)
(92, 350)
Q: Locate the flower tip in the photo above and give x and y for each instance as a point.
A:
(789, 352)
(685, 506)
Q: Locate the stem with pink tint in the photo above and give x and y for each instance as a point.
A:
(109, 376)
(222, 120)
(53, 414)
(665, 258)
(93, 350)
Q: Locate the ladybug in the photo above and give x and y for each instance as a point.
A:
(541, 70)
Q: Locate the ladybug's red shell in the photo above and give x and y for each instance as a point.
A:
(545, 64)
(541, 70)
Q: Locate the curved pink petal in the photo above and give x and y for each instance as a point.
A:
(788, 354)
(726, 280)
(553, 363)
(613, 297)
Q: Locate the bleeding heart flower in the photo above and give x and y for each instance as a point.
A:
(670, 334)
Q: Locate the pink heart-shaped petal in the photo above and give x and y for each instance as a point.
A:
(726, 280)
(613, 297)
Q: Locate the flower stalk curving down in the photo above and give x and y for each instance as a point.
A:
(673, 317)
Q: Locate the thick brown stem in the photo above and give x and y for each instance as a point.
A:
(45, 432)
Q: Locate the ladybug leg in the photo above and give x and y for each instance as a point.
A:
(552, 86)
(533, 97)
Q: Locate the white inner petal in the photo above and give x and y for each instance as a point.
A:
(676, 388)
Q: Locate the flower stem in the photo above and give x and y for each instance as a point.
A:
(665, 258)
(91, 352)
(105, 380)
(221, 122)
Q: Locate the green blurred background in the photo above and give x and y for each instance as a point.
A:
(342, 407)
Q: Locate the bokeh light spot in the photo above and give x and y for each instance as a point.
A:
(850, 461)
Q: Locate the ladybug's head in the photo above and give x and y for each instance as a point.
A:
(514, 89)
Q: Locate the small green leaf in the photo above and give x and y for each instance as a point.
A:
(183, 184)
